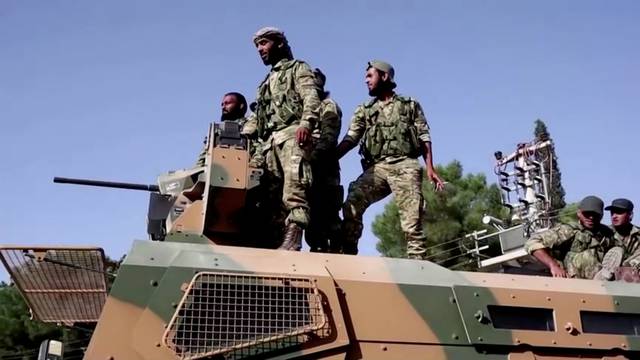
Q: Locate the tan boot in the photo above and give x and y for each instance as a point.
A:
(292, 238)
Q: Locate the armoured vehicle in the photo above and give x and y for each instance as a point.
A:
(205, 287)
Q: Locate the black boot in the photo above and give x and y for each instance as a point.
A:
(292, 238)
(350, 248)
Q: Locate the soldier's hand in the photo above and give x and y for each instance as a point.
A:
(303, 135)
(557, 271)
(437, 181)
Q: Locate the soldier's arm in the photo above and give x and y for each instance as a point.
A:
(306, 88)
(544, 257)
(424, 137)
(330, 116)
(250, 127)
(202, 155)
(354, 133)
(539, 244)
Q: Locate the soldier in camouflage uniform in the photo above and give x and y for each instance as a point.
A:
(393, 132)
(624, 259)
(234, 108)
(287, 109)
(574, 250)
(326, 192)
(626, 235)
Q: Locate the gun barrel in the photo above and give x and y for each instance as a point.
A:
(109, 184)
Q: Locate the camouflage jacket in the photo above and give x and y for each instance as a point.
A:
(630, 244)
(389, 131)
(287, 98)
(203, 152)
(579, 249)
(325, 135)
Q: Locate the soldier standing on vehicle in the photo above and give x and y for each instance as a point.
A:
(574, 250)
(324, 231)
(393, 133)
(234, 108)
(287, 109)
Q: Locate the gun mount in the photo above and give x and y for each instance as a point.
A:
(215, 200)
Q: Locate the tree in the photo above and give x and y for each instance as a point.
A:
(548, 157)
(20, 336)
(451, 214)
(568, 214)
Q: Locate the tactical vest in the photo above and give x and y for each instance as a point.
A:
(275, 111)
(396, 136)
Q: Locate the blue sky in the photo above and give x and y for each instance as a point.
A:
(124, 90)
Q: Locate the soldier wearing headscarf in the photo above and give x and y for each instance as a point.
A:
(287, 109)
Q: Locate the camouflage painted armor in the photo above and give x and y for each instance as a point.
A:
(287, 99)
(577, 248)
(389, 134)
(203, 152)
(326, 193)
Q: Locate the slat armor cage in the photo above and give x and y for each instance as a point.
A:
(241, 315)
(60, 284)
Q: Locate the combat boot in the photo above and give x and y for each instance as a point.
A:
(350, 248)
(610, 263)
(292, 238)
(415, 248)
(419, 256)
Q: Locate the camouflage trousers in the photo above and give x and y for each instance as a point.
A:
(584, 264)
(325, 228)
(404, 179)
(288, 179)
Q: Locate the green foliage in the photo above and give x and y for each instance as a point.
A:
(451, 214)
(549, 158)
(18, 333)
(20, 336)
(568, 214)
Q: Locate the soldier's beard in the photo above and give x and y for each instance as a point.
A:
(275, 55)
(380, 89)
(229, 116)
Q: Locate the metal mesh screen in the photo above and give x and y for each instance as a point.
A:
(66, 285)
(244, 315)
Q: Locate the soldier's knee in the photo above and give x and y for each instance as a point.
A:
(298, 215)
(353, 188)
(354, 205)
(349, 211)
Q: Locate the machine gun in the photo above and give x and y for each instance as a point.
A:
(109, 184)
